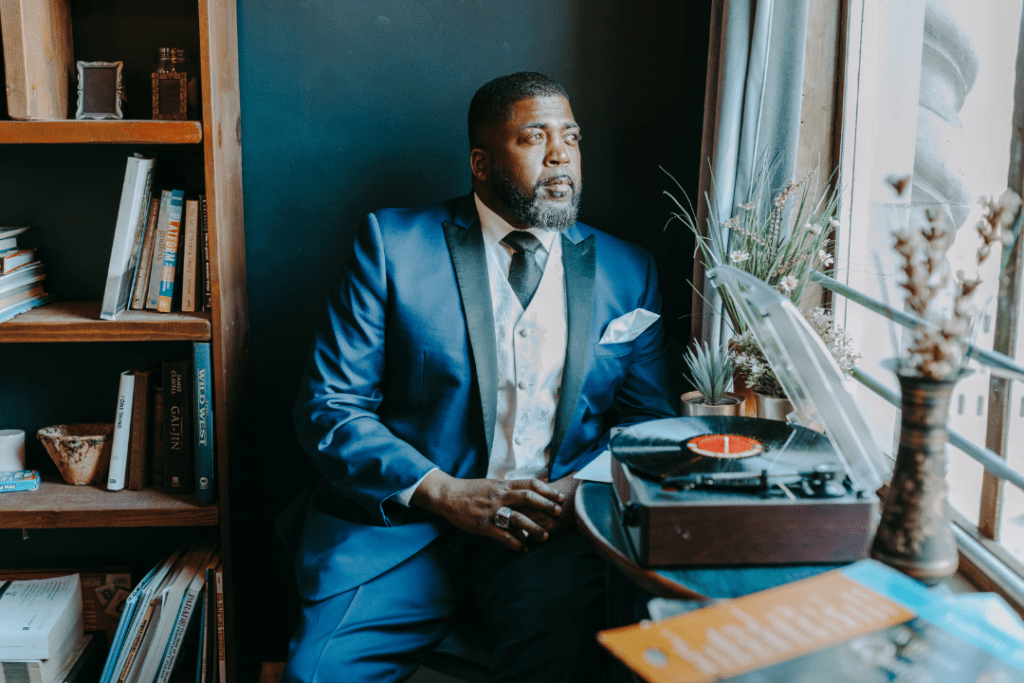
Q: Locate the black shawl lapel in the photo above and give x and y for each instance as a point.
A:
(466, 246)
(580, 263)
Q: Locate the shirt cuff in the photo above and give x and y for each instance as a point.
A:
(404, 497)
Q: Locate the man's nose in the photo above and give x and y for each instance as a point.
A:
(557, 153)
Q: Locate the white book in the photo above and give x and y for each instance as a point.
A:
(52, 670)
(157, 264)
(128, 234)
(116, 476)
(11, 232)
(39, 616)
(186, 611)
(32, 272)
(128, 641)
(171, 597)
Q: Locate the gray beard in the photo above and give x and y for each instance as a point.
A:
(531, 210)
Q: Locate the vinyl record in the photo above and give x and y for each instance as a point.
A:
(680, 446)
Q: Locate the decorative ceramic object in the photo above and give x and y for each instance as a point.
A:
(692, 404)
(771, 408)
(80, 451)
(914, 535)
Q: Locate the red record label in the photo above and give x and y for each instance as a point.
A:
(725, 446)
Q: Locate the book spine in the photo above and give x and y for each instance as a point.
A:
(23, 306)
(222, 663)
(203, 421)
(8, 243)
(136, 647)
(177, 435)
(138, 449)
(156, 270)
(204, 226)
(128, 236)
(189, 256)
(13, 259)
(146, 257)
(170, 252)
(122, 433)
(210, 608)
(177, 635)
(156, 451)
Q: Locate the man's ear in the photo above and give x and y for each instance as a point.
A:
(480, 163)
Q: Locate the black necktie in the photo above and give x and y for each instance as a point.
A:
(525, 273)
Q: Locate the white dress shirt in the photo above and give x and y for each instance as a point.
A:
(531, 348)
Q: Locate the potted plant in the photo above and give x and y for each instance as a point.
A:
(711, 372)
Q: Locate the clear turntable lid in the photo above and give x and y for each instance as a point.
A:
(807, 371)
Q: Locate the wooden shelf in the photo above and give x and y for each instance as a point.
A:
(79, 321)
(56, 505)
(119, 132)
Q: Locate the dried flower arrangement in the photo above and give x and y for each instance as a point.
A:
(779, 239)
(759, 375)
(937, 347)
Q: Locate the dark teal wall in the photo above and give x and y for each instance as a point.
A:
(350, 106)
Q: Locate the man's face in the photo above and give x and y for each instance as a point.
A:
(534, 168)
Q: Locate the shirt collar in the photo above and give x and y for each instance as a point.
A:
(495, 227)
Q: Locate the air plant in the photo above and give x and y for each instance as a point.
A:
(711, 370)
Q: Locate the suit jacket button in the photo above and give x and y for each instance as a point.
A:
(518, 440)
(523, 332)
(523, 385)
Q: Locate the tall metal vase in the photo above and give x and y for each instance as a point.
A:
(914, 535)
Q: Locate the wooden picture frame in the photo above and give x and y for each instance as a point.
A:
(100, 90)
(170, 96)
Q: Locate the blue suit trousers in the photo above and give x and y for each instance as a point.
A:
(541, 609)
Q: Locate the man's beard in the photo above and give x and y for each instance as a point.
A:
(532, 211)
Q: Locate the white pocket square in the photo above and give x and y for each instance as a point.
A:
(628, 327)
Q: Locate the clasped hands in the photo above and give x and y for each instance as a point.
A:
(538, 508)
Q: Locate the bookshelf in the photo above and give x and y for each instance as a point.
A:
(60, 360)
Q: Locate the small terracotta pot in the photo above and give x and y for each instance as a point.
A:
(690, 405)
(80, 451)
(771, 408)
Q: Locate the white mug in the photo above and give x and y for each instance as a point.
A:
(12, 450)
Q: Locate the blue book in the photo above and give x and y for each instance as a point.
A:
(202, 421)
(170, 251)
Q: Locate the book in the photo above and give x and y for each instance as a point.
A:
(116, 474)
(22, 480)
(159, 244)
(864, 622)
(32, 272)
(38, 57)
(171, 246)
(140, 288)
(208, 636)
(141, 444)
(190, 256)
(16, 258)
(130, 622)
(56, 669)
(204, 243)
(38, 615)
(202, 421)
(104, 591)
(8, 243)
(222, 663)
(177, 426)
(190, 606)
(21, 306)
(172, 600)
(20, 294)
(129, 231)
(11, 232)
(202, 662)
(156, 433)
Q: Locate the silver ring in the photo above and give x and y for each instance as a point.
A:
(501, 517)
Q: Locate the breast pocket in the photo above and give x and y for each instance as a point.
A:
(612, 350)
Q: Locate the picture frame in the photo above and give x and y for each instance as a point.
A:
(170, 96)
(100, 90)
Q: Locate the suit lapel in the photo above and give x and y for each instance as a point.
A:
(580, 262)
(466, 246)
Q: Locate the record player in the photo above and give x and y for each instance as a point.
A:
(717, 490)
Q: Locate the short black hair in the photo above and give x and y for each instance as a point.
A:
(493, 102)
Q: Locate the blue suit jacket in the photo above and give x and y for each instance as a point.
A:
(402, 378)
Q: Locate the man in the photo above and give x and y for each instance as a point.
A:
(472, 359)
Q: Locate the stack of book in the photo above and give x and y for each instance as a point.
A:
(173, 622)
(21, 275)
(160, 257)
(42, 639)
(163, 427)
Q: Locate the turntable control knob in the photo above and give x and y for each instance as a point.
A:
(631, 515)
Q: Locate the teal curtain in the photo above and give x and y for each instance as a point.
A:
(751, 112)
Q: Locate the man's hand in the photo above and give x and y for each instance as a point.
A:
(470, 505)
(557, 523)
